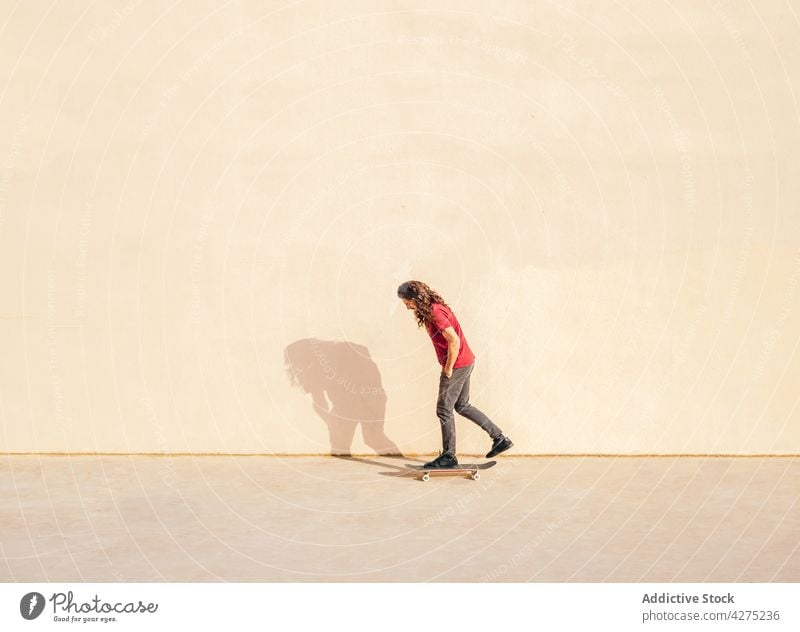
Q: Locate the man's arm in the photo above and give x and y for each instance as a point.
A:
(453, 345)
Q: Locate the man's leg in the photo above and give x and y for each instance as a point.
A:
(449, 390)
(465, 409)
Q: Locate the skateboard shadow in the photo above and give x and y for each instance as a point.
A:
(397, 470)
(346, 391)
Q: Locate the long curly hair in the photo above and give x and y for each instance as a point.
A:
(423, 296)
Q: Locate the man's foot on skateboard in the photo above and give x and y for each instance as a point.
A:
(499, 445)
(443, 461)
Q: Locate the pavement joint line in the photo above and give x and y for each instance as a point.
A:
(410, 454)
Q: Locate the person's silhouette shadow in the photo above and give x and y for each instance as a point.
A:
(346, 390)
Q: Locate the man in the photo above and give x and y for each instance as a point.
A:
(457, 361)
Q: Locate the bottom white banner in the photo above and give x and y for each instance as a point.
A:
(391, 607)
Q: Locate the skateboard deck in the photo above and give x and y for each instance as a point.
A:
(461, 468)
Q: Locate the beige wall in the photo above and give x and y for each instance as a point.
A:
(608, 197)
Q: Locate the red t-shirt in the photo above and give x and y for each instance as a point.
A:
(442, 317)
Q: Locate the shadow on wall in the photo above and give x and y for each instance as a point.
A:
(345, 388)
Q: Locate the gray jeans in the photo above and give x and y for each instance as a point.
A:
(454, 394)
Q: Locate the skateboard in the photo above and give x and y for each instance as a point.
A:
(462, 468)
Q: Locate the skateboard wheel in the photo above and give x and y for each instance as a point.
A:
(425, 477)
(475, 476)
